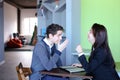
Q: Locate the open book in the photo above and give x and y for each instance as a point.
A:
(72, 69)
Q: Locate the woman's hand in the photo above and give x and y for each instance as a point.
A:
(77, 65)
(79, 49)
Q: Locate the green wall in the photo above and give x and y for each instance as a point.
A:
(106, 12)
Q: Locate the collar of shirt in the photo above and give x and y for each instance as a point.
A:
(47, 42)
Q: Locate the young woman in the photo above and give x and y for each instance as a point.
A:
(46, 56)
(101, 64)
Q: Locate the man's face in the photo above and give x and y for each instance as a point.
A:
(57, 37)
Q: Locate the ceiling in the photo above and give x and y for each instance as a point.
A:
(23, 3)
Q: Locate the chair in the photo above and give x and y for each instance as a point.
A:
(23, 72)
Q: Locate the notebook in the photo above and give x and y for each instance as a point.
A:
(72, 69)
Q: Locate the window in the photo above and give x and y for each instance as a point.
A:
(29, 24)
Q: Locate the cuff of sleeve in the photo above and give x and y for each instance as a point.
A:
(58, 52)
(80, 54)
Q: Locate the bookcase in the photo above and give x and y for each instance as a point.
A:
(51, 12)
(67, 14)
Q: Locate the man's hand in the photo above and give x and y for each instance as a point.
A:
(62, 46)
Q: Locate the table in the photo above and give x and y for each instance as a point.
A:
(64, 73)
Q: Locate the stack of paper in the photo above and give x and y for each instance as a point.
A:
(72, 69)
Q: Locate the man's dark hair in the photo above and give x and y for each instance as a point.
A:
(53, 28)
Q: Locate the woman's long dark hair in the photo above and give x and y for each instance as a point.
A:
(101, 40)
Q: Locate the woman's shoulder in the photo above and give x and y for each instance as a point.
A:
(99, 50)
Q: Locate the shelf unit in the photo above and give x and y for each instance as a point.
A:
(48, 13)
(67, 14)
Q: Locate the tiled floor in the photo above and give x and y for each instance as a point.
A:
(12, 59)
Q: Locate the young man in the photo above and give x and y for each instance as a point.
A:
(46, 56)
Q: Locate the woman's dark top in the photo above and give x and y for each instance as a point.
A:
(99, 66)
